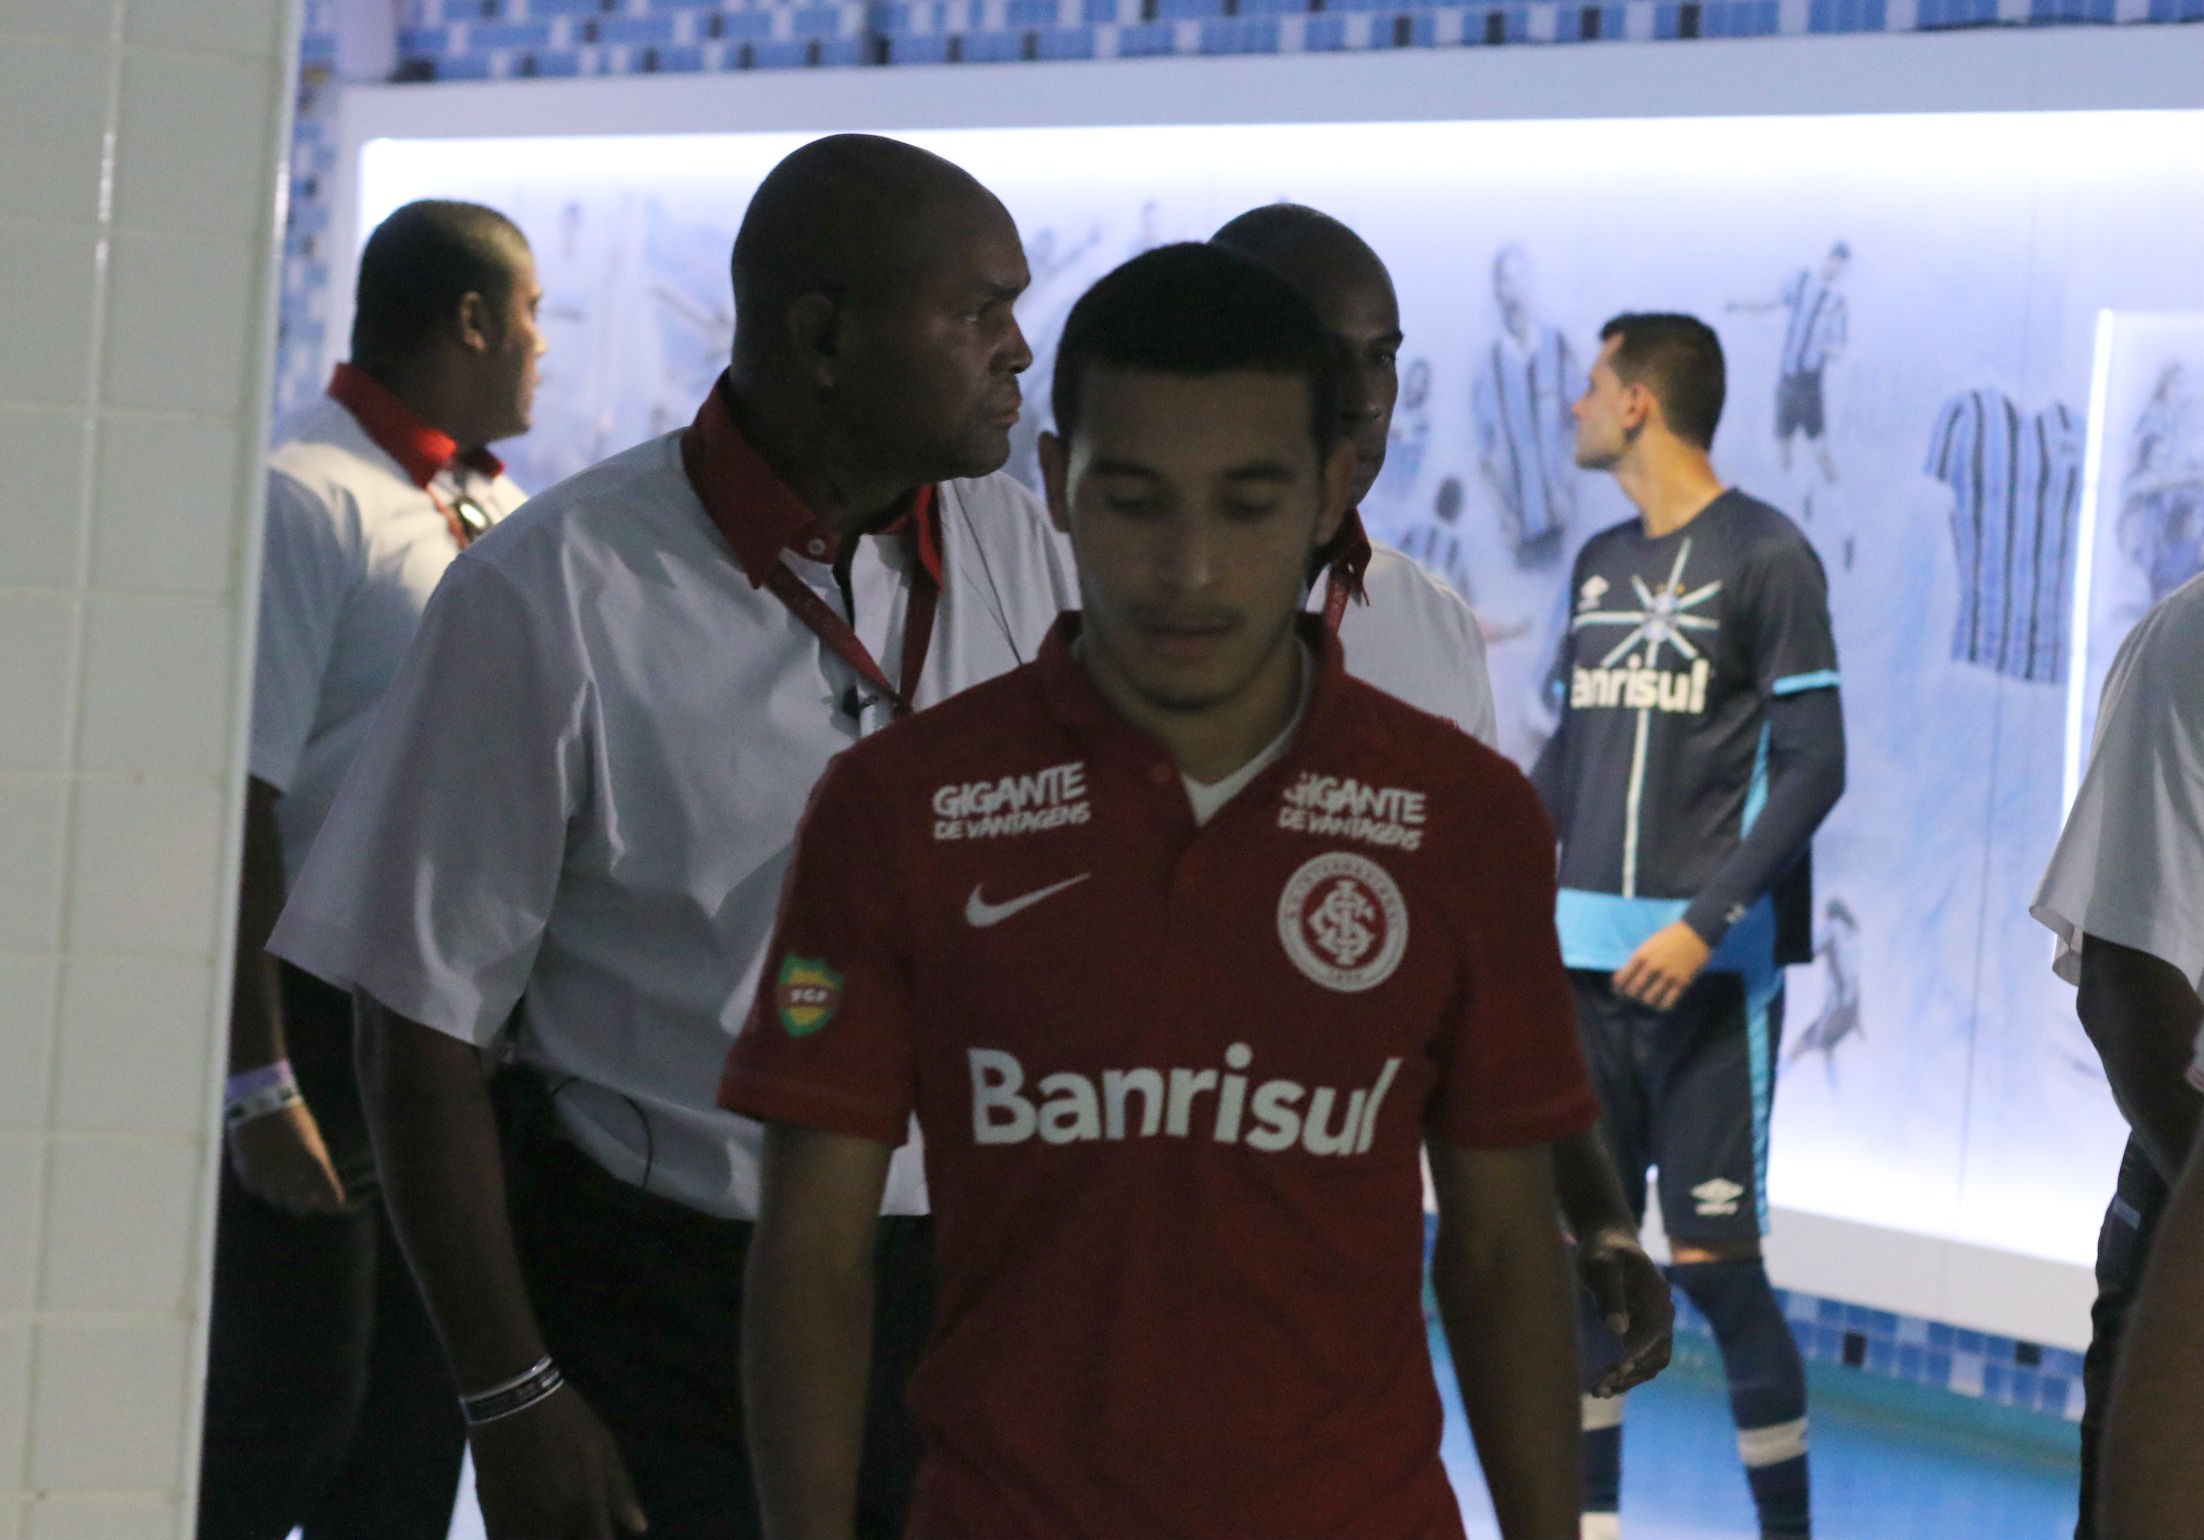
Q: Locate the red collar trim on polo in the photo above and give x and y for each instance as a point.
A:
(1070, 695)
(420, 450)
(1347, 555)
(759, 515)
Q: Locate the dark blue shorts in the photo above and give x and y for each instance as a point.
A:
(1686, 1091)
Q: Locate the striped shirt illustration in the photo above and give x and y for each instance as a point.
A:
(2016, 482)
(1404, 450)
(2161, 524)
(1818, 324)
(1525, 432)
(1432, 546)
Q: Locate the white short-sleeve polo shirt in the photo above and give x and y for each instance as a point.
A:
(1416, 640)
(586, 782)
(2129, 866)
(355, 542)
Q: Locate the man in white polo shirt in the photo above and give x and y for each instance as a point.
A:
(573, 822)
(1402, 629)
(328, 1404)
(1415, 638)
(2125, 895)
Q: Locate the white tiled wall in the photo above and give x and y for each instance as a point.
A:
(140, 155)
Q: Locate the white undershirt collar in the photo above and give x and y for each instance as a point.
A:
(1208, 797)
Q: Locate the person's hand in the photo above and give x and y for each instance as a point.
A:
(1633, 1298)
(553, 1473)
(1663, 967)
(281, 1160)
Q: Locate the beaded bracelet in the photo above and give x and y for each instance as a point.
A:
(516, 1395)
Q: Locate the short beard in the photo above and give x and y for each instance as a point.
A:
(1192, 704)
(1604, 462)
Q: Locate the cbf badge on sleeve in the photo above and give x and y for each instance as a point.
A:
(808, 995)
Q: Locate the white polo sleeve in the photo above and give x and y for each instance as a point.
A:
(431, 882)
(1418, 639)
(2129, 866)
(1479, 719)
(310, 562)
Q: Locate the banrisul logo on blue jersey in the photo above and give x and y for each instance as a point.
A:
(1631, 675)
(807, 994)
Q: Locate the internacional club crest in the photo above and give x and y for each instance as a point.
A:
(1343, 921)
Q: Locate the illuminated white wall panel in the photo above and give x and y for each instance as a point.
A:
(2142, 515)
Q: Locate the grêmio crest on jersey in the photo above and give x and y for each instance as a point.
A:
(1650, 652)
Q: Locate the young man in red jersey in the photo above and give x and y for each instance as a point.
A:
(1180, 944)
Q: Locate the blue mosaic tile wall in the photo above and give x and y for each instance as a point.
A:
(2000, 1370)
(498, 39)
(302, 310)
(2003, 1371)
(443, 40)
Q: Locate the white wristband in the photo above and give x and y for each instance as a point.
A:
(264, 1091)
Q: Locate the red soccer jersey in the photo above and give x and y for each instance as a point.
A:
(1172, 1082)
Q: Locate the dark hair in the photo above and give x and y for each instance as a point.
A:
(1193, 309)
(417, 266)
(1275, 230)
(1679, 359)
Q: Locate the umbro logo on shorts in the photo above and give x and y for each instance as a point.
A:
(1717, 1199)
(979, 913)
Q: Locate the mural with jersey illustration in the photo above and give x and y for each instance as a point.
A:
(1908, 306)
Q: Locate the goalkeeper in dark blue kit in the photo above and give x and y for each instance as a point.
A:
(1700, 745)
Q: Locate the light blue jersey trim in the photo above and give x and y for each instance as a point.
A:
(1827, 679)
(1756, 791)
(1600, 931)
(1761, 995)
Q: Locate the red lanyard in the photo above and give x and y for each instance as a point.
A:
(463, 530)
(1336, 594)
(832, 629)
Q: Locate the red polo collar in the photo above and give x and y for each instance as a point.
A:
(1347, 555)
(759, 515)
(420, 450)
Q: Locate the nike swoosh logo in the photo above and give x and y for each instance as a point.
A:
(980, 914)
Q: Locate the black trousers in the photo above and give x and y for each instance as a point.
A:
(2123, 1246)
(329, 1406)
(640, 1300)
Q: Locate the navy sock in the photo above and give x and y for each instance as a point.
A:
(1767, 1385)
(1602, 1445)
